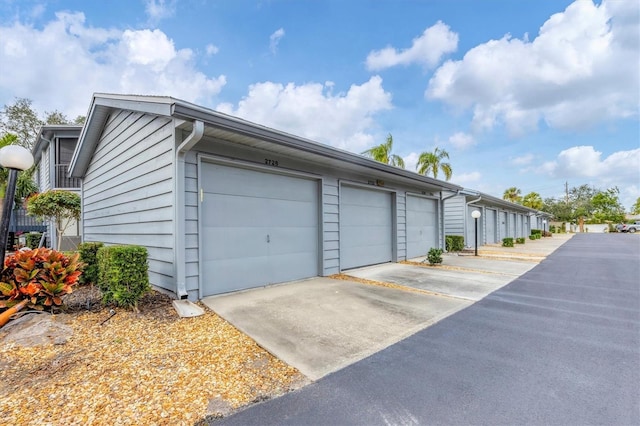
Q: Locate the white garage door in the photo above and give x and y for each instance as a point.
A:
(257, 228)
(366, 229)
(422, 225)
(491, 226)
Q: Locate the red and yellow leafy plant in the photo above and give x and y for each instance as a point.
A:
(41, 276)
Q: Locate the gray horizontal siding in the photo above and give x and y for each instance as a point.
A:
(401, 226)
(454, 211)
(128, 190)
(331, 229)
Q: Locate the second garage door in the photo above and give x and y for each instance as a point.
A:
(422, 225)
(257, 228)
(366, 230)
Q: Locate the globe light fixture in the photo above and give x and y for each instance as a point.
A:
(15, 158)
(476, 215)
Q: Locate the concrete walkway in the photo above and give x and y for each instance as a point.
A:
(321, 325)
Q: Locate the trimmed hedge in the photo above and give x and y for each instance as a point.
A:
(454, 243)
(520, 240)
(434, 256)
(32, 239)
(507, 242)
(89, 256)
(123, 274)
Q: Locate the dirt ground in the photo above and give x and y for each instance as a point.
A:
(150, 367)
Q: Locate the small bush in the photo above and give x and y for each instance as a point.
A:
(89, 256)
(32, 239)
(547, 234)
(532, 237)
(434, 256)
(536, 231)
(520, 240)
(42, 276)
(507, 242)
(123, 274)
(454, 243)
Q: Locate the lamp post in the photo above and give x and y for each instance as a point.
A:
(475, 215)
(544, 228)
(15, 158)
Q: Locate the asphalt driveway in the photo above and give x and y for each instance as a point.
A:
(321, 325)
(559, 345)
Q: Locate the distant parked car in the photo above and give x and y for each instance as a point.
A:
(629, 227)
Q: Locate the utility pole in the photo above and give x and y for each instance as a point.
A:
(566, 192)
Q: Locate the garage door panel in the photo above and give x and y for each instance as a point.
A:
(491, 226)
(422, 225)
(293, 240)
(289, 213)
(258, 228)
(221, 210)
(222, 276)
(365, 227)
(238, 243)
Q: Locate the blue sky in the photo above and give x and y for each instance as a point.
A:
(528, 93)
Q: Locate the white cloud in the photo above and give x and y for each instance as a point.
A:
(313, 111)
(428, 49)
(470, 180)
(158, 10)
(462, 140)
(274, 40)
(581, 68)
(523, 160)
(621, 169)
(411, 161)
(212, 49)
(62, 64)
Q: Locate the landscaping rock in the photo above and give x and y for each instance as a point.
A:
(35, 330)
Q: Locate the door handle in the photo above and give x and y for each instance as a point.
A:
(268, 238)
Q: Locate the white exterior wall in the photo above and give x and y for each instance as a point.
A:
(128, 190)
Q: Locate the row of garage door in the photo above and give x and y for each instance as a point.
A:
(259, 228)
(499, 224)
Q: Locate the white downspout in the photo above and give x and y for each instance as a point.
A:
(180, 211)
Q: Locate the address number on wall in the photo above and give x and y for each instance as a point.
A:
(270, 162)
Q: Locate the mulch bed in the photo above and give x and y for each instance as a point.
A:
(146, 367)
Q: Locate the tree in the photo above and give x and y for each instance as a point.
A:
(382, 153)
(560, 209)
(607, 207)
(635, 209)
(56, 117)
(431, 163)
(580, 198)
(21, 120)
(533, 200)
(513, 195)
(58, 206)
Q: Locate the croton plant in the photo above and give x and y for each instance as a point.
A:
(41, 276)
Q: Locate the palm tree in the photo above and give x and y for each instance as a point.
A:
(533, 200)
(512, 194)
(382, 153)
(431, 163)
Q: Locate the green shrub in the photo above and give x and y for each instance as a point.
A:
(123, 274)
(434, 256)
(32, 239)
(532, 237)
(507, 242)
(89, 256)
(454, 243)
(536, 231)
(520, 240)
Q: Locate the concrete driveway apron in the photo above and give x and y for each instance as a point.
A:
(321, 325)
